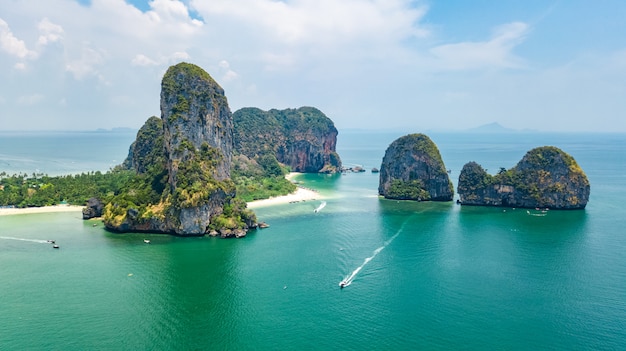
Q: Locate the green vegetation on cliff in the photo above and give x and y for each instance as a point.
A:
(147, 150)
(412, 169)
(409, 190)
(545, 177)
(187, 190)
(303, 139)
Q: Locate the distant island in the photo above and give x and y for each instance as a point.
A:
(496, 127)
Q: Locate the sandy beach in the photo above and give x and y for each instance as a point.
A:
(301, 194)
(45, 209)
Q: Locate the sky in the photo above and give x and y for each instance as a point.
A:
(405, 65)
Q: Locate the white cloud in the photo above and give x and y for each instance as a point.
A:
(178, 56)
(50, 32)
(292, 34)
(87, 64)
(11, 44)
(143, 60)
(321, 21)
(173, 12)
(342, 56)
(228, 75)
(494, 53)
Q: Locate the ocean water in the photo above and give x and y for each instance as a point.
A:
(424, 276)
(60, 153)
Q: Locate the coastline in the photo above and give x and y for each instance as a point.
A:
(44, 209)
(301, 194)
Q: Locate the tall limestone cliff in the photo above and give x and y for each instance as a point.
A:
(198, 137)
(412, 169)
(183, 181)
(304, 138)
(196, 117)
(546, 177)
(147, 150)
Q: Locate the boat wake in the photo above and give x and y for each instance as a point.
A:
(319, 208)
(22, 239)
(348, 279)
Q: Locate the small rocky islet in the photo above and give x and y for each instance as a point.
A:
(546, 177)
(412, 169)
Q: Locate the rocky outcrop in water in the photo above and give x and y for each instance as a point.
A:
(304, 138)
(546, 177)
(412, 169)
(183, 182)
(94, 208)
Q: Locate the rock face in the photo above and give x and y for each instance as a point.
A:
(183, 164)
(198, 137)
(546, 177)
(93, 209)
(304, 138)
(412, 169)
(147, 150)
(196, 117)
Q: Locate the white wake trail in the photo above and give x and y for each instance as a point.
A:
(348, 280)
(319, 208)
(22, 239)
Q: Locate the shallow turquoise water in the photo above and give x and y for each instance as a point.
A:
(429, 276)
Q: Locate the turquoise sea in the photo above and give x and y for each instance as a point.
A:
(424, 276)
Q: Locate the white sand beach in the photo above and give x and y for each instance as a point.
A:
(301, 194)
(45, 209)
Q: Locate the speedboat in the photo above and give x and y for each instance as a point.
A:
(342, 284)
(50, 241)
(146, 241)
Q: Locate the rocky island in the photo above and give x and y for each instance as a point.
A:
(546, 177)
(412, 169)
(303, 139)
(182, 162)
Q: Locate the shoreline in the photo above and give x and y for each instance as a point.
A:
(301, 194)
(44, 209)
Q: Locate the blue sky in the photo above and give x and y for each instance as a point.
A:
(405, 65)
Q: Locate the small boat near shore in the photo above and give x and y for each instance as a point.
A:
(146, 241)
